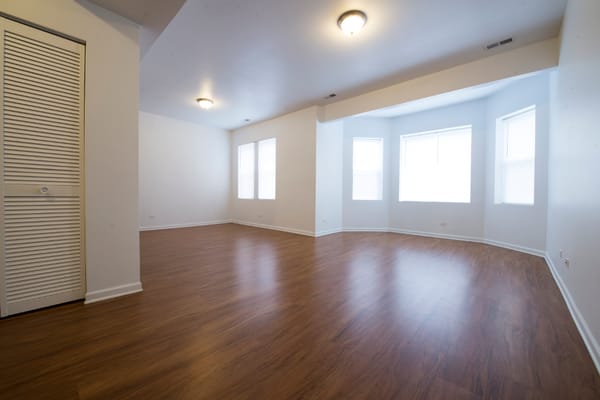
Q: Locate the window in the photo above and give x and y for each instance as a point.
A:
(249, 164)
(435, 166)
(367, 169)
(266, 168)
(515, 157)
(246, 171)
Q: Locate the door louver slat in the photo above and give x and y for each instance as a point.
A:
(41, 165)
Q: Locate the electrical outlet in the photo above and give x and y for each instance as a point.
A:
(443, 224)
(567, 263)
(561, 253)
(151, 216)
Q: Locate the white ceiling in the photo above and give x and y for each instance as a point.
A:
(445, 99)
(262, 58)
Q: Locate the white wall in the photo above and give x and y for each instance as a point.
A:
(111, 136)
(574, 183)
(532, 58)
(366, 214)
(520, 225)
(458, 219)
(184, 173)
(329, 184)
(294, 206)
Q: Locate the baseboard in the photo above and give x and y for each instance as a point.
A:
(401, 231)
(117, 291)
(329, 232)
(362, 229)
(584, 330)
(436, 235)
(274, 228)
(522, 249)
(186, 225)
(497, 243)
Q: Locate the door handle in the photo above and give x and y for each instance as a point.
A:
(44, 190)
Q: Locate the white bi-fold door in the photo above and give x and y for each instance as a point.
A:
(41, 165)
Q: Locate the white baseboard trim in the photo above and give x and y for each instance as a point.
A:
(274, 228)
(584, 330)
(436, 235)
(361, 229)
(510, 246)
(329, 232)
(117, 291)
(497, 243)
(186, 225)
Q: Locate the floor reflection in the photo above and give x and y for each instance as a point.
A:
(363, 285)
(256, 267)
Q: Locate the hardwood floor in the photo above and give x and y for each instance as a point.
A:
(232, 312)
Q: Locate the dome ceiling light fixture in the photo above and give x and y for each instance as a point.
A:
(351, 22)
(204, 103)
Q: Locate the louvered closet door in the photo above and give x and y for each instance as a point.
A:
(41, 223)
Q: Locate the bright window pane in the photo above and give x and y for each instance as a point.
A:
(515, 163)
(367, 169)
(436, 166)
(246, 171)
(518, 183)
(520, 136)
(267, 160)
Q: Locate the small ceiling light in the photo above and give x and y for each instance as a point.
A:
(204, 103)
(351, 22)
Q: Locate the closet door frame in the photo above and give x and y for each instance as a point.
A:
(58, 39)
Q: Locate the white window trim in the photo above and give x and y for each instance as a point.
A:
(382, 141)
(254, 152)
(257, 170)
(256, 173)
(438, 132)
(500, 152)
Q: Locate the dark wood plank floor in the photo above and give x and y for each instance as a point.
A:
(231, 312)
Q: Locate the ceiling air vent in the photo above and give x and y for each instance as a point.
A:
(498, 44)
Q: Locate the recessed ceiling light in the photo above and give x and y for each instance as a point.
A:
(351, 22)
(204, 103)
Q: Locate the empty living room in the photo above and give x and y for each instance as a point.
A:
(267, 199)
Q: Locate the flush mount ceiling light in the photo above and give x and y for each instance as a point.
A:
(351, 22)
(204, 103)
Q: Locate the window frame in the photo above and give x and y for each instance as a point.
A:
(255, 172)
(253, 175)
(501, 161)
(258, 174)
(381, 142)
(437, 133)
